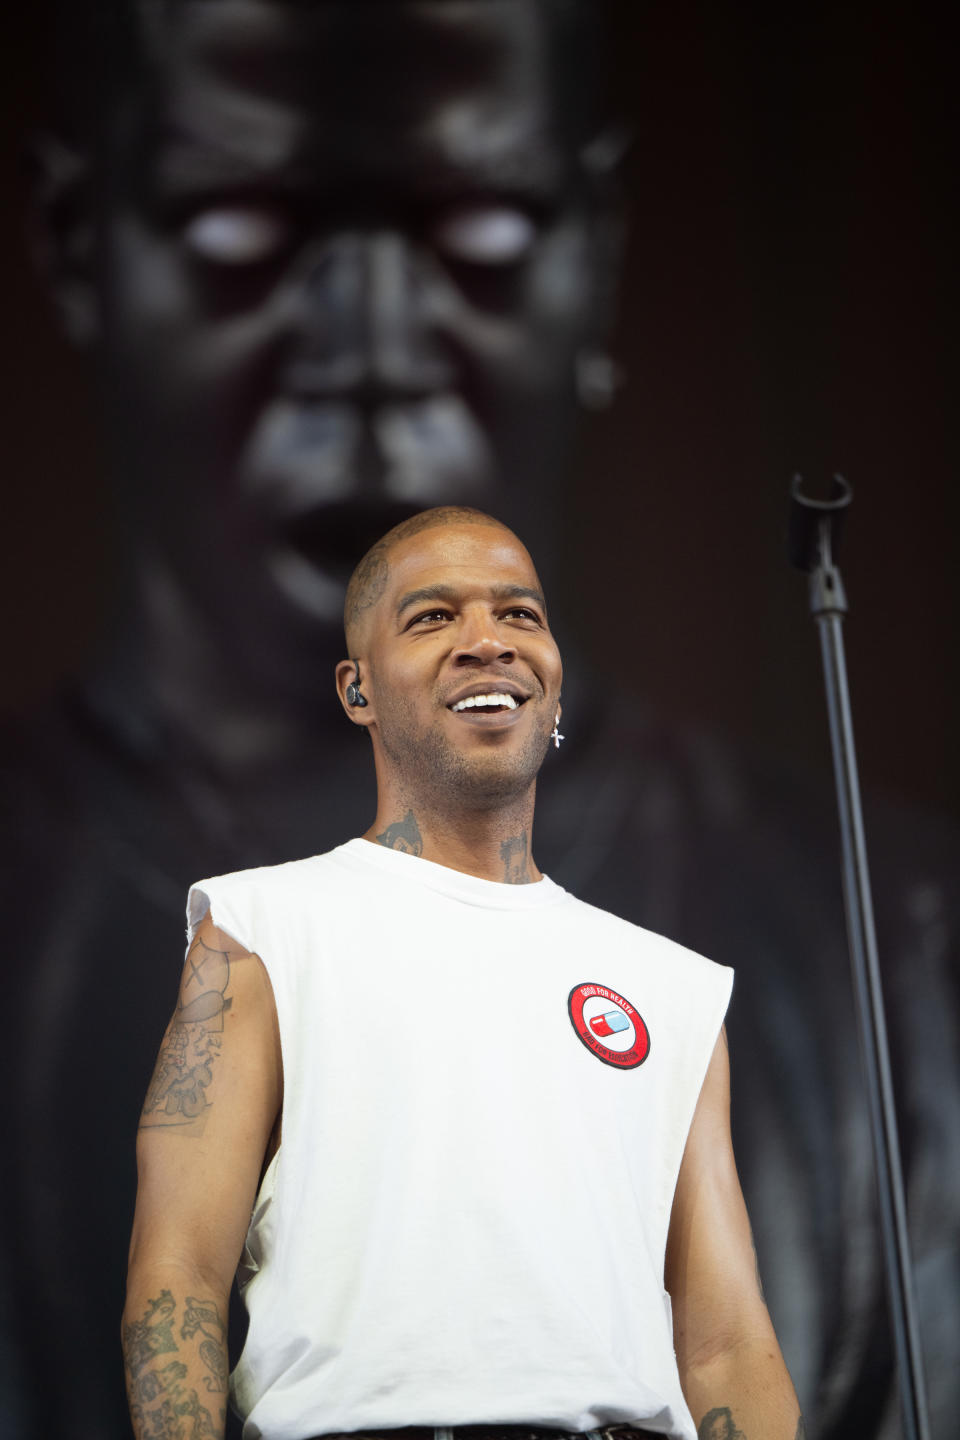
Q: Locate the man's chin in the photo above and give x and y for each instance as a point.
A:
(480, 779)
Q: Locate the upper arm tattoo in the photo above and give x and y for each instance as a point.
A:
(178, 1090)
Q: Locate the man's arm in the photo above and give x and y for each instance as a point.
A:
(731, 1369)
(207, 1121)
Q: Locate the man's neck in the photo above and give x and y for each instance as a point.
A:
(493, 845)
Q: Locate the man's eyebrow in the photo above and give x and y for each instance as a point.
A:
(449, 594)
(190, 159)
(424, 594)
(188, 165)
(519, 592)
(533, 172)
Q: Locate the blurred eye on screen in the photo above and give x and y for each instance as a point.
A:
(236, 235)
(486, 235)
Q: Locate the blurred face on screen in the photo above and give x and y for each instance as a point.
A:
(347, 261)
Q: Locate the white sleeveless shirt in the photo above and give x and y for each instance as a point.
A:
(487, 1092)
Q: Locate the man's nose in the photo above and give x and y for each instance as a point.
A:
(480, 642)
(369, 319)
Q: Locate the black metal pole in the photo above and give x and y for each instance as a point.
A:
(814, 532)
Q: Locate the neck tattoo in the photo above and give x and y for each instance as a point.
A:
(403, 835)
(513, 853)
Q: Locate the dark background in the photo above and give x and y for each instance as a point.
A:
(785, 307)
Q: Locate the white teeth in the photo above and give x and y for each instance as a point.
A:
(506, 702)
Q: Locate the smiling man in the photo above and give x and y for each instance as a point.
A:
(482, 1128)
(476, 730)
(330, 263)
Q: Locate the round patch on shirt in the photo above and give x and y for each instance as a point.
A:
(609, 1026)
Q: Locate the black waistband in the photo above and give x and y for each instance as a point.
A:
(495, 1431)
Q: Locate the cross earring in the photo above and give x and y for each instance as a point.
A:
(555, 735)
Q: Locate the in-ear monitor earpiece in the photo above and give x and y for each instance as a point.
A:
(353, 689)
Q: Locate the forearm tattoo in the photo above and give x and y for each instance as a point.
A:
(165, 1403)
(178, 1090)
(719, 1424)
(201, 1317)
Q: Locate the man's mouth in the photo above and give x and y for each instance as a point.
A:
(334, 537)
(313, 554)
(333, 475)
(326, 479)
(491, 704)
(476, 701)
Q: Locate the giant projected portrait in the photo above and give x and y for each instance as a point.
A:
(331, 264)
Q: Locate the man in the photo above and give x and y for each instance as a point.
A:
(474, 1144)
(330, 263)
(348, 260)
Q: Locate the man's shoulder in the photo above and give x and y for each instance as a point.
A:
(309, 872)
(250, 904)
(610, 928)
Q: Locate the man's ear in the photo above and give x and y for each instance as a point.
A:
(62, 233)
(358, 706)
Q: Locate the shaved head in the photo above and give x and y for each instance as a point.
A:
(369, 579)
(103, 49)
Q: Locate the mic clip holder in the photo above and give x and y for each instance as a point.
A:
(813, 541)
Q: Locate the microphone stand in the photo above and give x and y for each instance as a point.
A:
(815, 527)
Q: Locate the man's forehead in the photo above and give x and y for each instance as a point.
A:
(460, 558)
(258, 87)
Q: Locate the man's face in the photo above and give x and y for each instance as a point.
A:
(346, 267)
(460, 669)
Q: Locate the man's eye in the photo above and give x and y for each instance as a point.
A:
(521, 612)
(429, 617)
(236, 235)
(486, 235)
